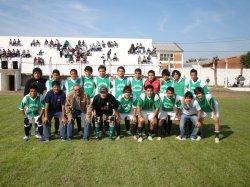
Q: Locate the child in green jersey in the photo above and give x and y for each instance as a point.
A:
(148, 106)
(34, 104)
(170, 108)
(127, 108)
(209, 105)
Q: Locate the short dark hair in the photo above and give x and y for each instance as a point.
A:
(165, 72)
(138, 70)
(37, 70)
(121, 67)
(149, 87)
(151, 71)
(198, 90)
(33, 86)
(189, 95)
(56, 83)
(193, 71)
(88, 68)
(73, 70)
(176, 72)
(102, 67)
(171, 89)
(127, 88)
(56, 71)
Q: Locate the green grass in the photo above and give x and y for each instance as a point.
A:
(127, 163)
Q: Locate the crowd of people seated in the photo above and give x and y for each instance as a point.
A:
(35, 43)
(14, 53)
(144, 60)
(39, 61)
(14, 42)
(152, 53)
(138, 49)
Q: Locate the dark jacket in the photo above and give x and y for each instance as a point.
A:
(40, 84)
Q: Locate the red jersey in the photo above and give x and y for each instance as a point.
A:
(155, 83)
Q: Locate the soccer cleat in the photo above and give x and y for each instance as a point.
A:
(57, 135)
(150, 138)
(63, 139)
(26, 138)
(118, 138)
(180, 138)
(158, 138)
(37, 136)
(134, 138)
(198, 138)
(192, 138)
(140, 139)
(217, 140)
(128, 133)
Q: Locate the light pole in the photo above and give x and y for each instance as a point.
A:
(226, 61)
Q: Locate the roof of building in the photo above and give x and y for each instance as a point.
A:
(169, 47)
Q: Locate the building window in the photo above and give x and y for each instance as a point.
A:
(166, 57)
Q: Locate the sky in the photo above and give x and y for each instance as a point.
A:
(202, 28)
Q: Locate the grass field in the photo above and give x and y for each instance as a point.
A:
(168, 162)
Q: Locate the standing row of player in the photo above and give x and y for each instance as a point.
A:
(137, 99)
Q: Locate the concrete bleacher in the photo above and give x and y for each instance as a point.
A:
(53, 61)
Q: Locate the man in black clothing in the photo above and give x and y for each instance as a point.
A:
(37, 80)
(105, 108)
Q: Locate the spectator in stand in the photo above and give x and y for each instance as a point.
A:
(148, 59)
(144, 60)
(23, 53)
(51, 43)
(115, 44)
(10, 42)
(18, 42)
(103, 44)
(35, 60)
(139, 59)
(108, 54)
(40, 53)
(115, 58)
(17, 53)
(14, 42)
(28, 54)
(38, 43)
(46, 43)
(33, 43)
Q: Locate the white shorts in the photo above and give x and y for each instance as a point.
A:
(164, 114)
(146, 113)
(204, 114)
(33, 119)
(126, 115)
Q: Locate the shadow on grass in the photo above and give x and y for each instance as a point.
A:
(225, 131)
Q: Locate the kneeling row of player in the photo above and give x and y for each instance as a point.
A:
(105, 108)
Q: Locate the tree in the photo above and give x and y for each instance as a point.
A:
(245, 61)
(215, 64)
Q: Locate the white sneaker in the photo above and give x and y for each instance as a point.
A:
(198, 138)
(150, 138)
(180, 138)
(217, 140)
(192, 138)
(158, 138)
(128, 133)
(140, 139)
(37, 136)
(134, 138)
(26, 138)
(57, 135)
(118, 138)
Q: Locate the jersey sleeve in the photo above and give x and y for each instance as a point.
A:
(23, 103)
(157, 101)
(197, 106)
(134, 104)
(178, 102)
(210, 99)
(141, 99)
(47, 85)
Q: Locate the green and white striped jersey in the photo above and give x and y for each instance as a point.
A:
(33, 105)
(147, 103)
